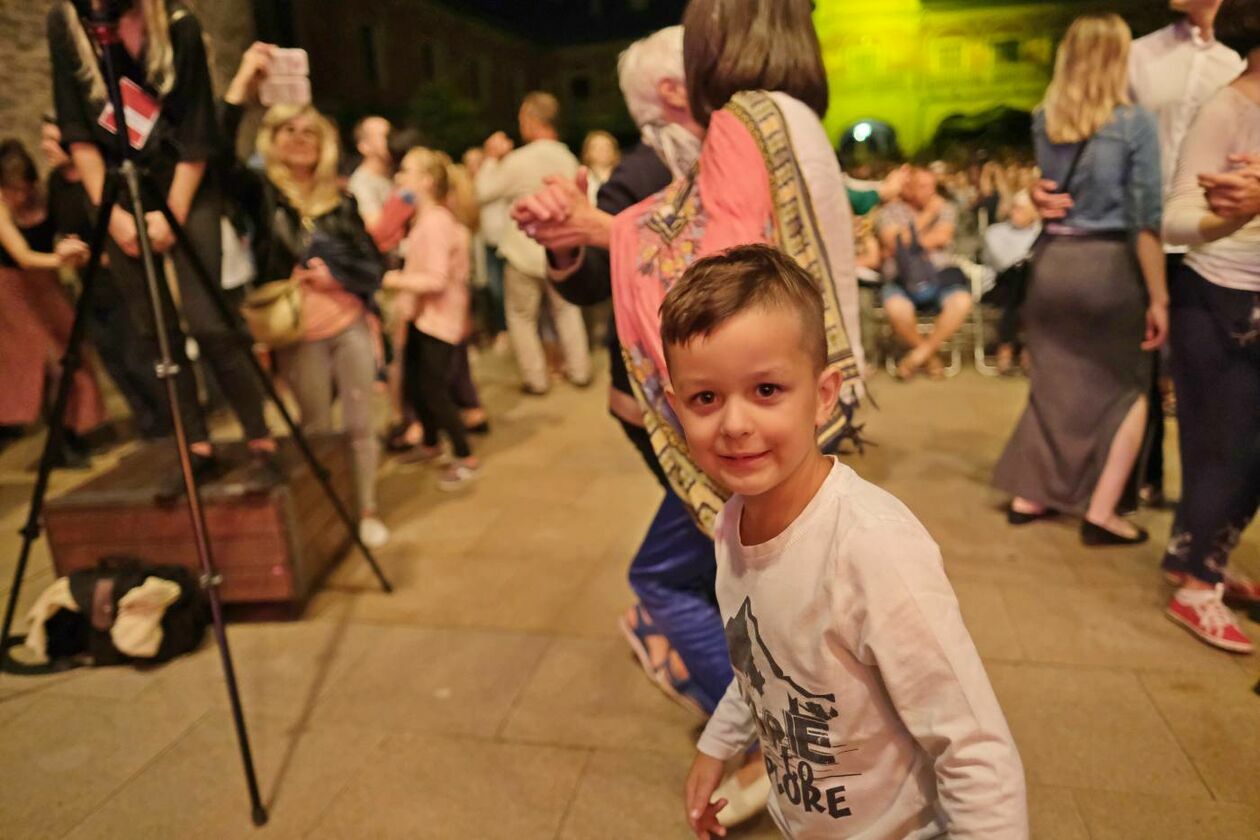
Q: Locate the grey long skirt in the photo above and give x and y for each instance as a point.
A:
(1085, 317)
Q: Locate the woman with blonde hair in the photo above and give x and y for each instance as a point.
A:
(437, 268)
(161, 60)
(308, 229)
(1098, 300)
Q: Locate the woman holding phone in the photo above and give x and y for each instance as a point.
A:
(307, 229)
(161, 64)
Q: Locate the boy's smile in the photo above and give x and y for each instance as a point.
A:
(749, 398)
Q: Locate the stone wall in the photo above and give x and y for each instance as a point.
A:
(26, 91)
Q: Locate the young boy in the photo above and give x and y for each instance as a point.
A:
(852, 664)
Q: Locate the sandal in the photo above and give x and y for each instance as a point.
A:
(637, 635)
(669, 675)
(681, 689)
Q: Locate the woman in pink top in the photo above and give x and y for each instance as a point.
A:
(436, 270)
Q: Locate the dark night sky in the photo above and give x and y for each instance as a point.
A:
(575, 21)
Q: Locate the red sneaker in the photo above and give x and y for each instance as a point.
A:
(1239, 589)
(1203, 613)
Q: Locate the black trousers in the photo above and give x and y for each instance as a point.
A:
(1009, 292)
(216, 340)
(1148, 470)
(128, 360)
(431, 371)
(1216, 370)
(463, 389)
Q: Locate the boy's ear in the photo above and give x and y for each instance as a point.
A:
(829, 383)
(671, 398)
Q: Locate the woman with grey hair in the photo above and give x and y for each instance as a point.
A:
(676, 638)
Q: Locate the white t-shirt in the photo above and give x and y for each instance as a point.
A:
(853, 666)
(1228, 124)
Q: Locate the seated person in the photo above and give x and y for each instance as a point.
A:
(1007, 246)
(916, 233)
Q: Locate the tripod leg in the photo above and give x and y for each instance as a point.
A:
(211, 287)
(167, 371)
(69, 364)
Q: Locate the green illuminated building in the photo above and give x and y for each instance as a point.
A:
(912, 63)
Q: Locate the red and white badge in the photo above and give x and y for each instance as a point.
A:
(142, 113)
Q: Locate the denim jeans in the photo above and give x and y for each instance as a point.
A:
(673, 574)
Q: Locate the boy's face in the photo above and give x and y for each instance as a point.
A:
(750, 400)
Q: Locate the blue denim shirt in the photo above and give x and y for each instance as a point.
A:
(1116, 186)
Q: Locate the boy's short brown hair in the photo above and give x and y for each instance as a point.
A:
(717, 288)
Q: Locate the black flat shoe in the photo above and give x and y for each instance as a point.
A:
(262, 472)
(204, 467)
(1016, 517)
(1097, 535)
(482, 428)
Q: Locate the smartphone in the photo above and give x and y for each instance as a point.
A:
(285, 90)
(288, 79)
(289, 62)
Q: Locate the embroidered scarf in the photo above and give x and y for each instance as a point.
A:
(746, 188)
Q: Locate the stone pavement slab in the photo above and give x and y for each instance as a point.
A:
(492, 696)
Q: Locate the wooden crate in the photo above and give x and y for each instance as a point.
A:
(272, 548)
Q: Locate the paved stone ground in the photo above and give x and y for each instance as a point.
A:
(492, 697)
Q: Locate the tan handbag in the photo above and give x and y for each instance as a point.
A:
(273, 313)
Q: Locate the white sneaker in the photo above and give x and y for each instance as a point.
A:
(373, 532)
(742, 803)
(457, 475)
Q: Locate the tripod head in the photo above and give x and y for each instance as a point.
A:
(102, 12)
(100, 19)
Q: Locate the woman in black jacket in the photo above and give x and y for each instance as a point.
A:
(161, 63)
(305, 227)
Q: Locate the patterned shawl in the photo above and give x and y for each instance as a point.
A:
(748, 187)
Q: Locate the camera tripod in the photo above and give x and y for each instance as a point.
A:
(125, 182)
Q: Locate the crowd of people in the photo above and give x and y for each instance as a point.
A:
(802, 610)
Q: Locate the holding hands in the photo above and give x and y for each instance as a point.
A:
(560, 217)
(1235, 194)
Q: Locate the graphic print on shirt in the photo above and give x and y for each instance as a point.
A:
(794, 725)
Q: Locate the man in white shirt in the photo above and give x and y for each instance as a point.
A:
(1172, 72)
(372, 180)
(507, 175)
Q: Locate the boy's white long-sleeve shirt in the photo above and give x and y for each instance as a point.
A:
(853, 666)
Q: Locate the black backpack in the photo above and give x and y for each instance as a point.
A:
(83, 637)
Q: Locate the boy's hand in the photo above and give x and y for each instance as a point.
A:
(703, 778)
